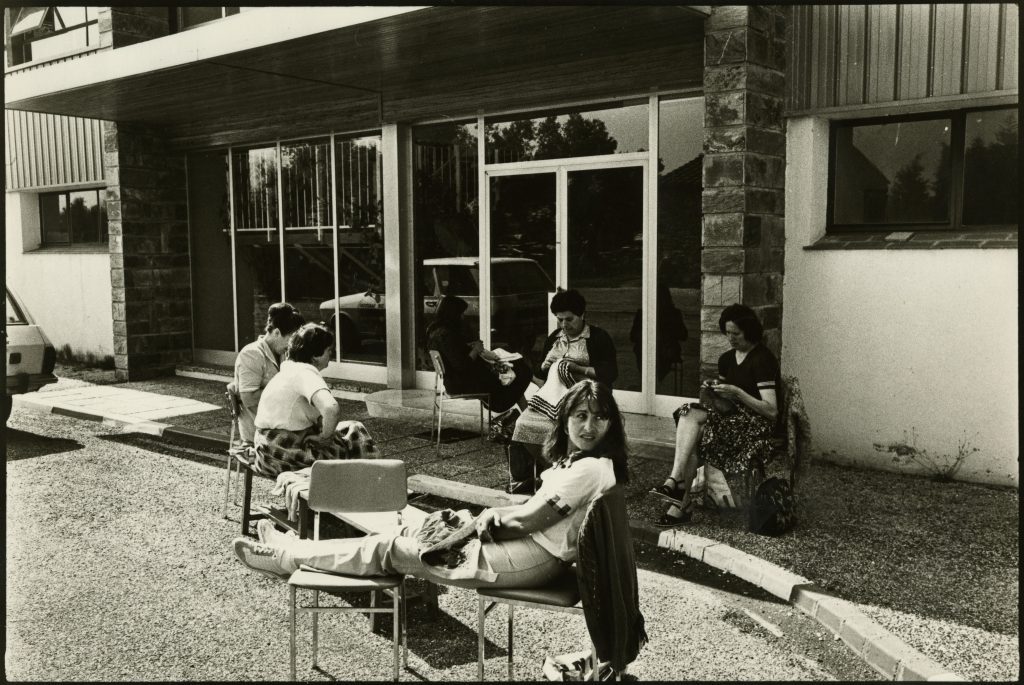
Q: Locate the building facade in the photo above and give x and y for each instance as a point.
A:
(363, 162)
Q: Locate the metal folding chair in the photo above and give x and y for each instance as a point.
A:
(441, 395)
(363, 486)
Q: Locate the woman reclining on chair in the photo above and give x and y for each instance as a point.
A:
(297, 421)
(525, 545)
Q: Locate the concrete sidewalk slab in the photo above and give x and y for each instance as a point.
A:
(113, 406)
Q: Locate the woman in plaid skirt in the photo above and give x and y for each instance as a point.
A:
(298, 419)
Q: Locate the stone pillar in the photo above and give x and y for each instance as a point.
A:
(149, 252)
(744, 171)
(121, 26)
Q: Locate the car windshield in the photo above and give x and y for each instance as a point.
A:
(14, 314)
(520, 277)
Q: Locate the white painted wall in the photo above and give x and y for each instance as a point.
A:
(917, 347)
(67, 292)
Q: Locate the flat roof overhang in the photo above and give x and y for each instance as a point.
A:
(281, 70)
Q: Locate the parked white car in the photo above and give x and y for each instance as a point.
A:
(30, 356)
(519, 303)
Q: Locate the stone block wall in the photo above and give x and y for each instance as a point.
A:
(744, 171)
(149, 252)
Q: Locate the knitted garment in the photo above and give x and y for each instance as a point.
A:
(606, 571)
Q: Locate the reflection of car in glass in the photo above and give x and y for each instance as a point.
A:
(519, 301)
(30, 356)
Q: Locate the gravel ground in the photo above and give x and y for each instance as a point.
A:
(937, 564)
(119, 568)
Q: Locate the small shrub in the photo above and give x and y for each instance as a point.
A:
(67, 356)
(942, 468)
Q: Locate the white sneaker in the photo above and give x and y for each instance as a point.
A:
(268, 533)
(261, 558)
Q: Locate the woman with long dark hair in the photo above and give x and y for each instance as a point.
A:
(524, 545)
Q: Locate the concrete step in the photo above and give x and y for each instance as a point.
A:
(650, 437)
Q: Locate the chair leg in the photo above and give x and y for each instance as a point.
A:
(246, 501)
(292, 671)
(511, 621)
(440, 414)
(396, 604)
(481, 615)
(227, 487)
(405, 625)
(316, 627)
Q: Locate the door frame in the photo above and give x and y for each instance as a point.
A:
(635, 401)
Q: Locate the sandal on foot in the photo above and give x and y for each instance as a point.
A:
(667, 521)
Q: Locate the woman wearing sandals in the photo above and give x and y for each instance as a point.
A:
(748, 377)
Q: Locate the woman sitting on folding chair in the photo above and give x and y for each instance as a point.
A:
(736, 424)
(468, 367)
(523, 545)
(259, 361)
(298, 419)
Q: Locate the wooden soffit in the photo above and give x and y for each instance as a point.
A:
(283, 69)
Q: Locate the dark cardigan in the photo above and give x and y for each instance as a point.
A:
(601, 351)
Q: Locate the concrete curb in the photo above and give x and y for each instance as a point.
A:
(890, 656)
(887, 654)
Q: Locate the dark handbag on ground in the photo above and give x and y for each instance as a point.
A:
(715, 402)
(772, 510)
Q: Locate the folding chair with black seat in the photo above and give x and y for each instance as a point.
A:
(562, 596)
(242, 459)
(349, 486)
(441, 395)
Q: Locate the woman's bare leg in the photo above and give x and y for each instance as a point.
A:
(684, 464)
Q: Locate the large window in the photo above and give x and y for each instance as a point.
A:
(955, 170)
(73, 218)
(38, 33)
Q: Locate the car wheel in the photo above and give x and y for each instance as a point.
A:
(350, 341)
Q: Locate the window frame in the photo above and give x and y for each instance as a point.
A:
(71, 242)
(957, 141)
(20, 45)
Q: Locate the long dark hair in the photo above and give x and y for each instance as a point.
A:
(613, 445)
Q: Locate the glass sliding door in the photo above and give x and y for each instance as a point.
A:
(523, 237)
(605, 212)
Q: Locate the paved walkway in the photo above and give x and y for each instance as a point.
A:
(891, 657)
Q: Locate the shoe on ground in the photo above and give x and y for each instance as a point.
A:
(261, 558)
(667, 521)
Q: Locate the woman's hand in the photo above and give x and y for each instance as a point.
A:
(484, 522)
(729, 392)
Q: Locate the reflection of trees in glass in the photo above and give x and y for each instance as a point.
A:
(84, 218)
(445, 195)
(522, 140)
(990, 176)
(605, 232)
(305, 177)
(255, 188)
(679, 224)
(912, 197)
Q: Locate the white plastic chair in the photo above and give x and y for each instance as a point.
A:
(441, 395)
(363, 486)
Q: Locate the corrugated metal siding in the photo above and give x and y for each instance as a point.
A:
(44, 150)
(851, 55)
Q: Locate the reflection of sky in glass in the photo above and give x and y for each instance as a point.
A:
(890, 147)
(680, 132)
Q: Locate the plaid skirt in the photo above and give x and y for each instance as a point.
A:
(730, 442)
(279, 450)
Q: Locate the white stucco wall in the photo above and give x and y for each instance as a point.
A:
(914, 347)
(67, 292)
